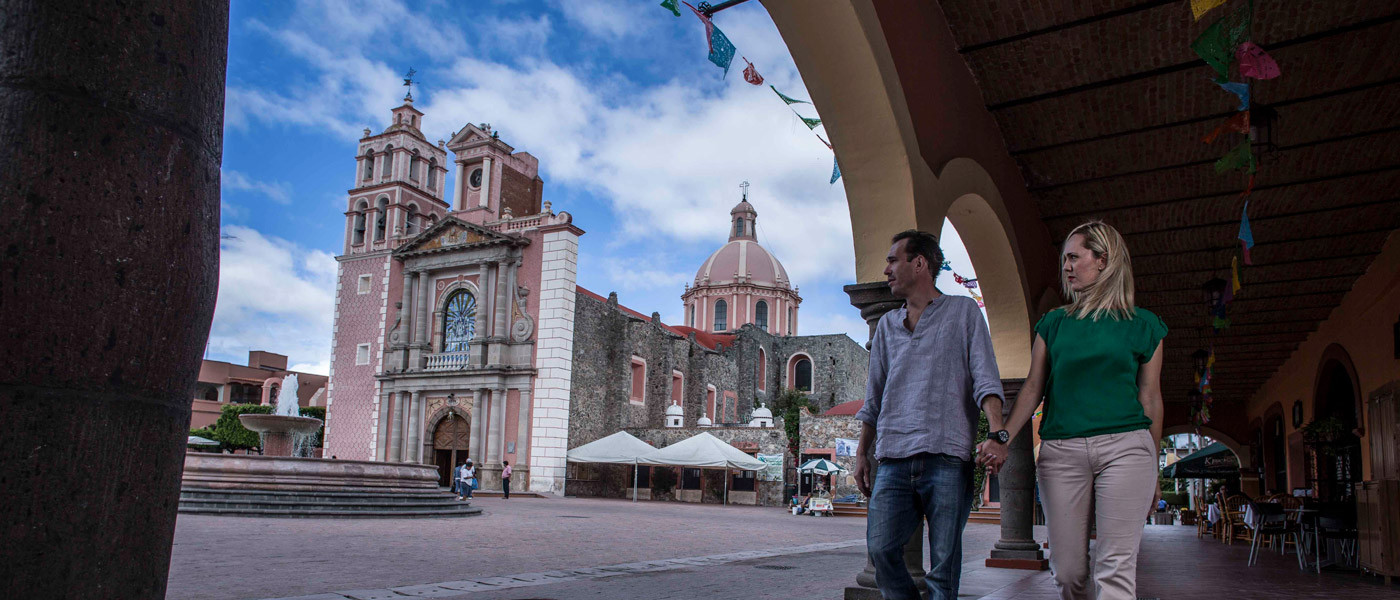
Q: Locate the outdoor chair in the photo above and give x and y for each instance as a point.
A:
(1233, 517)
(1337, 527)
(1274, 525)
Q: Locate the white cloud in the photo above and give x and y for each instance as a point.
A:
(602, 18)
(632, 274)
(277, 191)
(273, 295)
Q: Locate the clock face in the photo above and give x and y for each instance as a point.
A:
(475, 178)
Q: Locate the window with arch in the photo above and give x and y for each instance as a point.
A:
(802, 375)
(761, 369)
(387, 169)
(761, 315)
(380, 218)
(459, 322)
(410, 220)
(691, 320)
(789, 321)
(432, 173)
(357, 234)
(369, 165)
(738, 227)
(413, 165)
(721, 315)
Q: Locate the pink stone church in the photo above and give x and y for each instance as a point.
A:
(460, 331)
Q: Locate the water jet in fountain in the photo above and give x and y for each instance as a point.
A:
(284, 432)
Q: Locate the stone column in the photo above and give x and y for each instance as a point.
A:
(405, 328)
(414, 451)
(395, 436)
(459, 192)
(382, 436)
(522, 438)
(485, 183)
(874, 300)
(480, 412)
(111, 135)
(1017, 548)
(493, 427)
(424, 304)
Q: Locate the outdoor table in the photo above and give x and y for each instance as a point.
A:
(1213, 513)
(1303, 515)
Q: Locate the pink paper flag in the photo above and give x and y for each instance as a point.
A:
(1255, 63)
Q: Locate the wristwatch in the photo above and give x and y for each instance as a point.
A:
(1002, 436)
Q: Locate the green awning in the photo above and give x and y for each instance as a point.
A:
(1215, 461)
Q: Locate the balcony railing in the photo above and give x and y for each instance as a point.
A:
(448, 361)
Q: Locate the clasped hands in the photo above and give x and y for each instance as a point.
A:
(992, 455)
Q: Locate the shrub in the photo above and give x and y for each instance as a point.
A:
(231, 433)
(318, 412)
(663, 480)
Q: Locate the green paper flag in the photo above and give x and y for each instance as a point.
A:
(810, 123)
(1216, 45)
(786, 99)
(1241, 157)
(671, 6)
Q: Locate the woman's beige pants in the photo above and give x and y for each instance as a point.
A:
(1108, 480)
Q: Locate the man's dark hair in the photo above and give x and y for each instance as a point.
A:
(921, 243)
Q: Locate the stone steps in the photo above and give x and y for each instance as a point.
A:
(362, 503)
(988, 514)
(848, 509)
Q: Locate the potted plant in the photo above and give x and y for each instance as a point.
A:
(1326, 435)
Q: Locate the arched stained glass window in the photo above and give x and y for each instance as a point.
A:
(721, 315)
(459, 322)
(761, 315)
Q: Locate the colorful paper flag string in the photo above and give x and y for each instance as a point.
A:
(835, 170)
(1238, 124)
(810, 123)
(1255, 63)
(1246, 234)
(978, 298)
(672, 6)
(1216, 45)
(1238, 89)
(947, 266)
(1200, 7)
(721, 50)
(1235, 275)
(787, 99)
(1241, 157)
(751, 74)
(828, 144)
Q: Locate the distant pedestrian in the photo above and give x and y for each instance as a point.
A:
(505, 480)
(468, 479)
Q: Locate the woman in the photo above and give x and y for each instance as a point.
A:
(1098, 362)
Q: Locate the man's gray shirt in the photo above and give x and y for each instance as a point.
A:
(926, 387)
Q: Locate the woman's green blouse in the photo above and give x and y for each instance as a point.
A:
(1092, 385)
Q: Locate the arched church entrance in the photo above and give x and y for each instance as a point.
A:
(450, 442)
(1336, 466)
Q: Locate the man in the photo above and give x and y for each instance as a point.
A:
(505, 480)
(931, 369)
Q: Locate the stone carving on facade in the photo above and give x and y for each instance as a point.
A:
(523, 326)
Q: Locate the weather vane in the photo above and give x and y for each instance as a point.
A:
(408, 82)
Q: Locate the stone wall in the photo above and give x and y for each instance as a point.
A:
(820, 432)
(839, 367)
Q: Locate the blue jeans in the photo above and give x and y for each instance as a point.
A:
(932, 487)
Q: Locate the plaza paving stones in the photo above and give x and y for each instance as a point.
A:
(657, 551)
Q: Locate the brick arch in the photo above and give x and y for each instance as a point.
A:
(1338, 355)
(791, 370)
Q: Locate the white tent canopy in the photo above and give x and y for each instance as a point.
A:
(704, 451)
(620, 448)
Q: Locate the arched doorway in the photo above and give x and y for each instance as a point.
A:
(451, 439)
(1334, 471)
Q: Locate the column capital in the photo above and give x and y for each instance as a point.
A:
(874, 299)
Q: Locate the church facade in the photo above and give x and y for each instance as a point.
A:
(460, 331)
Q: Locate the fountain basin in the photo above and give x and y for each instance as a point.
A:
(280, 433)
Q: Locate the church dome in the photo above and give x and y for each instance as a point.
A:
(762, 412)
(742, 261)
(674, 410)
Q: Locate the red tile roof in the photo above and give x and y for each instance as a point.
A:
(845, 408)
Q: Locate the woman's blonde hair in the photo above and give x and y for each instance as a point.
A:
(1112, 293)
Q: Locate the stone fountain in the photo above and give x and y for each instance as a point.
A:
(286, 482)
(284, 432)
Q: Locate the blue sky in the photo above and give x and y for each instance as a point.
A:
(639, 136)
